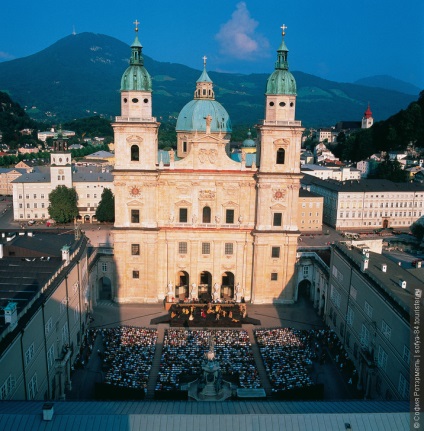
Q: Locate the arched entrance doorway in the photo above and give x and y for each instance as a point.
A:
(105, 289)
(385, 223)
(304, 289)
(205, 286)
(227, 285)
(87, 219)
(183, 282)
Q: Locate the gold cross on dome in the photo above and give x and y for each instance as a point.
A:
(204, 60)
(284, 28)
(136, 24)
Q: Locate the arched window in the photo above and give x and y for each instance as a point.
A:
(135, 153)
(206, 215)
(280, 156)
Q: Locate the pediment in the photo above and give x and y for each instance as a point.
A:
(206, 138)
(134, 203)
(277, 207)
(230, 204)
(182, 202)
(282, 142)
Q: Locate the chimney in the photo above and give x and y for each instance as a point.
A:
(384, 267)
(1, 251)
(48, 411)
(402, 283)
(11, 314)
(65, 254)
(365, 261)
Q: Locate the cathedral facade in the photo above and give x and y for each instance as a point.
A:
(198, 224)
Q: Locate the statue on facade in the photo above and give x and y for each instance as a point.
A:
(193, 291)
(170, 292)
(216, 294)
(238, 293)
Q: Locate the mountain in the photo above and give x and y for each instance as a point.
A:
(389, 83)
(80, 76)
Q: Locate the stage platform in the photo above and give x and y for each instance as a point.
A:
(195, 315)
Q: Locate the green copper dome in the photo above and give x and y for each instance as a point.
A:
(193, 116)
(136, 77)
(281, 80)
(249, 142)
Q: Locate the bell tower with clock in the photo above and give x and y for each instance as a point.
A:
(60, 162)
(278, 181)
(135, 183)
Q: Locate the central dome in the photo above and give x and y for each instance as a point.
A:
(193, 116)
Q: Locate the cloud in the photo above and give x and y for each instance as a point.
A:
(237, 37)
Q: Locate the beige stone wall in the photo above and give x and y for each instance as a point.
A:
(205, 178)
(310, 213)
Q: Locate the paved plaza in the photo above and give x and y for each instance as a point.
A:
(298, 316)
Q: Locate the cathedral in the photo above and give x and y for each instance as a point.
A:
(198, 223)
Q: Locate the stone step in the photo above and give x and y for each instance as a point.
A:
(153, 375)
(266, 384)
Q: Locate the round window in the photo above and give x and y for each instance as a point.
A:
(292, 104)
(135, 100)
(125, 100)
(282, 103)
(146, 100)
(271, 103)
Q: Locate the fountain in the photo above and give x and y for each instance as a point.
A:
(210, 386)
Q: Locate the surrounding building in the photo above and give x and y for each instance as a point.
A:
(343, 173)
(205, 221)
(225, 416)
(44, 298)
(368, 204)
(306, 158)
(327, 135)
(7, 176)
(369, 308)
(367, 167)
(367, 119)
(31, 190)
(54, 134)
(310, 208)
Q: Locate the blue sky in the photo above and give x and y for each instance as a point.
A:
(337, 40)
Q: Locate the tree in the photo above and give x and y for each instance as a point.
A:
(106, 209)
(390, 170)
(63, 204)
(417, 230)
